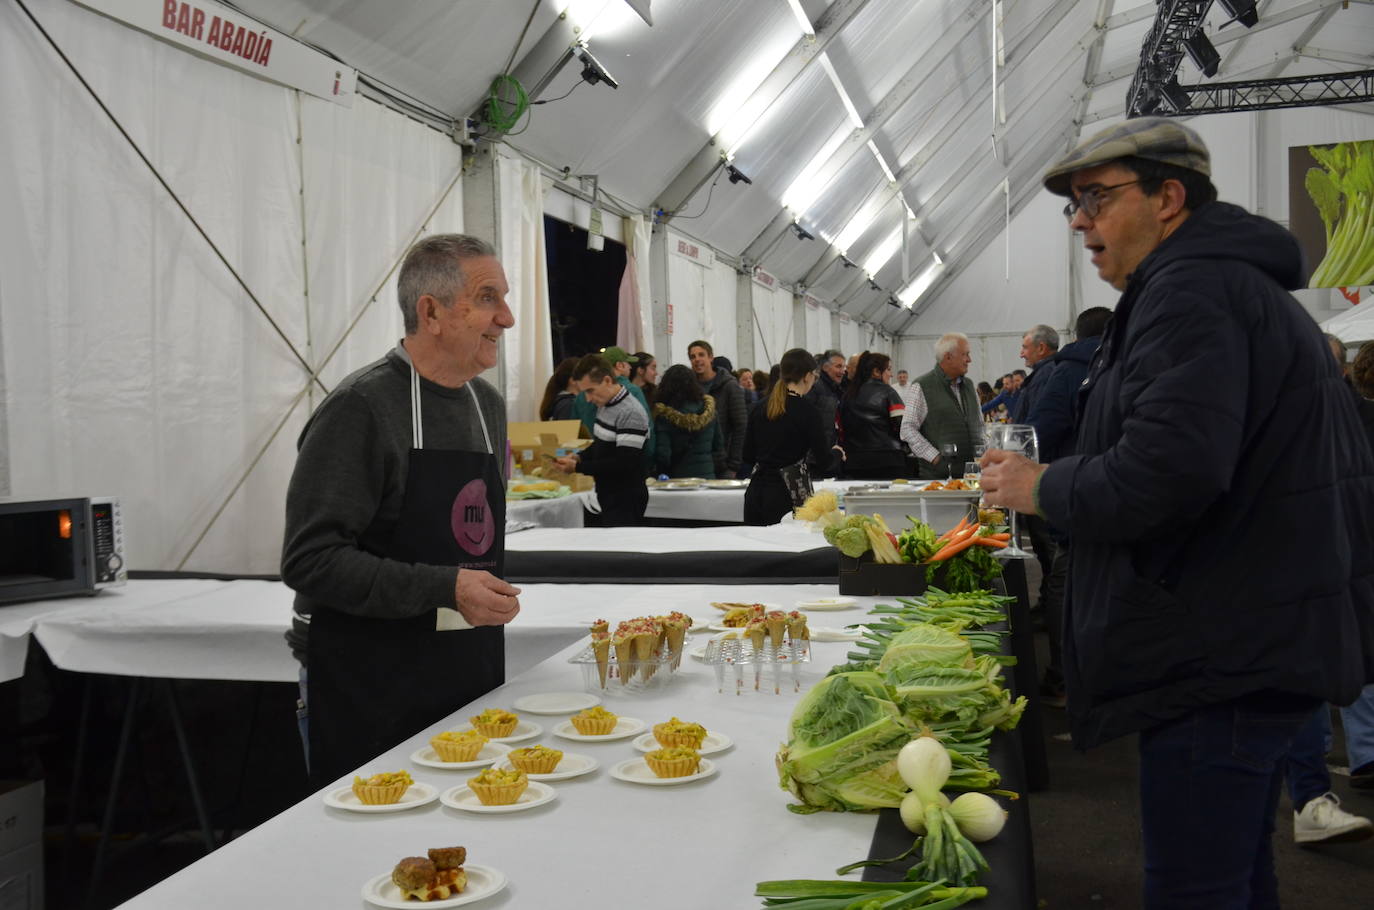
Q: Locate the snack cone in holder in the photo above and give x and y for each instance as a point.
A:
(645, 643)
(776, 621)
(601, 647)
(601, 626)
(678, 624)
(624, 656)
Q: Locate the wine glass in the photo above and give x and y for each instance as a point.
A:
(948, 453)
(973, 472)
(1019, 438)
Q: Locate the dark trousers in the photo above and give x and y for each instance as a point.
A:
(621, 505)
(1209, 785)
(1305, 763)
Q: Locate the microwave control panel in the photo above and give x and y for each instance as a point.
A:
(107, 540)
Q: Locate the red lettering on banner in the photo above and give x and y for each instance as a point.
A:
(184, 19)
(238, 42)
(197, 23)
(169, 14)
(264, 52)
(688, 249)
(213, 37)
(250, 47)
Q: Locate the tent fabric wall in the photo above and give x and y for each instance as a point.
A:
(773, 328)
(134, 364)
(818, 337)
(527, 350)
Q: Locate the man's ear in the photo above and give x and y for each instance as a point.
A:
(1173, 199)
(427, 311)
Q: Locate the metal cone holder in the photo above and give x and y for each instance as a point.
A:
(738, 653)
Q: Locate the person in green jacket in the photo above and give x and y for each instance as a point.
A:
(689, 435)
(585, 411)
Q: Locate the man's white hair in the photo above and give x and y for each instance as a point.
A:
(948, 344)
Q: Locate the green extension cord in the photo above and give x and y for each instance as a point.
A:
(498, 101)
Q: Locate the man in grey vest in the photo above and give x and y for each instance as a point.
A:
(942, 410)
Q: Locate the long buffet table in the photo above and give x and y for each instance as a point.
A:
(600, 841)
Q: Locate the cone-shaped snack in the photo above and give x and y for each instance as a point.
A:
(601, 626)
(624, 655)
(796, 626)
(756, 630)
(776, 621)
(601, 647)
(644, 650)
(677, 626)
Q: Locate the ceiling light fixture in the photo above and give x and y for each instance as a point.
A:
(913, 291)
(736, 175)
(884, 251)
(1202, 53)
(801, 232)
(592, 70)
(1242, 11)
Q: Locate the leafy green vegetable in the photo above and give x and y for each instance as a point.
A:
(917, 543)
(852, 541)
(1343, 191)
(924, 645)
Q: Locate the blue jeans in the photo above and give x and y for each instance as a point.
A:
(303, 719)
(1358, 720)
(1209, 784)
(1305, 764)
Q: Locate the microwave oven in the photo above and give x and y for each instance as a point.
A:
(60, 547)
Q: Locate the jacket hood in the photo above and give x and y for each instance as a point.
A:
(687, 420)
(722, 379)
(1219, 230)
(1080, 351)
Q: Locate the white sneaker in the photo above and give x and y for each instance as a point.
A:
(1323, 821)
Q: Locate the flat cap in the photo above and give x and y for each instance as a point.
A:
(1159, 139)
(617, 354)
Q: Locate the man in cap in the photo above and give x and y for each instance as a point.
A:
(1215, 431)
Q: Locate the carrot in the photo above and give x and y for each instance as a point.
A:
(990, 542)
(953, 549)
(999, 536)
(963, 523)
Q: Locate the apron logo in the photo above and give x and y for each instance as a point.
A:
(473, 527)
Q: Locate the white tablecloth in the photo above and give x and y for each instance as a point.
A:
(787, 537)
(563, 512)
(601, 843)
(233, 630)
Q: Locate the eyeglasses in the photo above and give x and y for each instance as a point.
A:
(1091, 199)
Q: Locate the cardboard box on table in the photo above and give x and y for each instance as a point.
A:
(535, 442)
(21, 845)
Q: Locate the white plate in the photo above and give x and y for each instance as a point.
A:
(822, 633)
(483, 881)
(556, 702)
(714, 742)
(624, 726)
(827, 603)
(417, 794)
(699, 625)
(524, 730)
(536, 794)
(430, 759)
(572, 765)
(637, 771)
(698, 653)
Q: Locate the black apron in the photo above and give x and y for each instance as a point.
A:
(375, 682)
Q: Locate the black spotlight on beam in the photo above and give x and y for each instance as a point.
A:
(1242, 11)
(1176, 95)
(735, 174)
(848, 263)
(873, 285)
(1202, 53)
(893, 301)
(801, 232)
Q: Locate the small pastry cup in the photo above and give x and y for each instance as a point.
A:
(498, 794)
(380, 795)
(492, 731)
(678, 767)
(593, 726)
(448, 750)
(522, 760)
(666, 739)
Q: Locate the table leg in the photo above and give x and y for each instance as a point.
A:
(116, 777)
(196, 796)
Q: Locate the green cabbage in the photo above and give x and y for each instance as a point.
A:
(845, 733)
(925, 645)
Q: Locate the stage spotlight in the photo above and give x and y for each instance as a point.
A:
(1242, 11)
(801, 232)
(893, 301)
(736, 175)
(592, 70)
(1202, 53)
(848, 263)
(1176, 95)
(873, 285)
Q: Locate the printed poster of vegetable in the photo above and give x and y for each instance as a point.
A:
(1331, 211)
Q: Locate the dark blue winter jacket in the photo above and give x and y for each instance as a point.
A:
(1219, 500)
(1052, 411)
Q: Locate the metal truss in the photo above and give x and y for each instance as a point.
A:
(1161, 52)
(1268, 94)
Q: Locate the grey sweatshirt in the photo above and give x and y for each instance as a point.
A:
(347, 487)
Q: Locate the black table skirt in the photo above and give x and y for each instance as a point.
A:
(816, 566)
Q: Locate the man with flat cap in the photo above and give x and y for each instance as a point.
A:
(1222, 550)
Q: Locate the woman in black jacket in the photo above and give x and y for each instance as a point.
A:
(783, 429)
(871, 414)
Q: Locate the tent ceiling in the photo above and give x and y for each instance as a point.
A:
(919, 76)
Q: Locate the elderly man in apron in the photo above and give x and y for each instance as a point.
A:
(395, 521)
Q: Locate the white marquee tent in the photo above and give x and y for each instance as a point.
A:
(193, 254)
(1353, 326)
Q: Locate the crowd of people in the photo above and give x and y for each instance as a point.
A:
(1187, 439)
